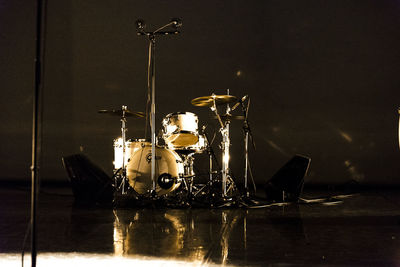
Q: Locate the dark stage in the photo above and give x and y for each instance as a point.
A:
(95, 105)
(361, 229)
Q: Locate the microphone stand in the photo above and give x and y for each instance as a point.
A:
(37, 121)
(247, 134)
(152, 86)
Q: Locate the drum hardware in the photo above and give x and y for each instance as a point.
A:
(120, 179)
(140, 25)
(124, 129)
(211, 174)
(212, 102)
(247, 134)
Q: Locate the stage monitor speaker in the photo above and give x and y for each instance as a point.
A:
(90, 184)
(287, 183)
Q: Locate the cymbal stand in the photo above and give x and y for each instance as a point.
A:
(124, 129)
(225, 144)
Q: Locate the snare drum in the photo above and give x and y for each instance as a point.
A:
(168, 173)
(131, 146)
(180, 129)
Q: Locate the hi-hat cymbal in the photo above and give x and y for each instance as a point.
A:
(207, 101)
(229, 117)
(118, 112)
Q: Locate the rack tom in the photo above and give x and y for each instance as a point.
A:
(180, 129)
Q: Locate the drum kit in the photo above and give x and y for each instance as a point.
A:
(180, 140)
(163, 165)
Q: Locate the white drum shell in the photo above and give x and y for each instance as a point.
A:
(199, 147)
(180, 129)
(131, 146)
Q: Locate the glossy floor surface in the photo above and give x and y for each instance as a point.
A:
(360, 230)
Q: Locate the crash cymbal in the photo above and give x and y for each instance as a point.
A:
(207, 101)
(118, 112)
(229, 117)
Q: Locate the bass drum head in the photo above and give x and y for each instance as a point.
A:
(169, 169)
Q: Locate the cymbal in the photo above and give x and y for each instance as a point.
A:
(229, 117)
(207, 101)
(118, 112)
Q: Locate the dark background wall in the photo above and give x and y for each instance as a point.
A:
(322, 77)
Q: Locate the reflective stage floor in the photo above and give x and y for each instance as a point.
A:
(360, 230)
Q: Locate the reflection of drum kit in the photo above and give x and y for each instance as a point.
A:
(175, 158)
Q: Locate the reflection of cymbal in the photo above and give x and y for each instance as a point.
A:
(207, 101)
(229, 117)
(118, 112)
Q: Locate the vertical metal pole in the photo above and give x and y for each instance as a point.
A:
(398, 110)
(225, 145)
(36, 123)
(123, 133)
(246, 164)
(211, 165)
(153, 116)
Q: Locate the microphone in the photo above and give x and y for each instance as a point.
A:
(176, 22)
(140, 25)
(244, 98)
(240, 102)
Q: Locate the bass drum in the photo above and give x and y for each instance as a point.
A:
(168, 173)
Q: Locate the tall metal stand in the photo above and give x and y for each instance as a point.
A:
(225, 144)
(36, 121)
(123, 134)
(152, 57)
(247, 134)
(152, 86)
(246, 164)
(246, 130)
